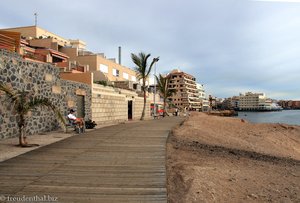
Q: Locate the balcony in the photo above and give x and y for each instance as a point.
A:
(35, 57)
(190, 80)
(10, 41)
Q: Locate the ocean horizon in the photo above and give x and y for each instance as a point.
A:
(291, 117)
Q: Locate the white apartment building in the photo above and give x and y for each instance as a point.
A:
(202, 96)
(252, 101)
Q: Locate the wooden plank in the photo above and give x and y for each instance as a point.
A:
(122, 163)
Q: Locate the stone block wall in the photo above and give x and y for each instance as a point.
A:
(138, 108)
(41, 79)
(110, 105)
(109, 108)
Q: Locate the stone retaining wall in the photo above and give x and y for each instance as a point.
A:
(104, 105)
(42, 79)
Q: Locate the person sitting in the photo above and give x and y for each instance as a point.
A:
(75, 120)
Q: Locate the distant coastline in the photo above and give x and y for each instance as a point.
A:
(290, 116)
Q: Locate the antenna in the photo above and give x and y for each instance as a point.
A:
(35, 16)
(119, 55)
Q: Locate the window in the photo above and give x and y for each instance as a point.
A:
(133, 78)
(103, 68)
(116, 72)
(125, 75)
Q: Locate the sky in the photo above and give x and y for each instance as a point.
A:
(230, 46)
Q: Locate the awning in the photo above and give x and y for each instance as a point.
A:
(58, 56)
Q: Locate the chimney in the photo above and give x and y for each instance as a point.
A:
(120, 55)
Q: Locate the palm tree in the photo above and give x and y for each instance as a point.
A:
(22, 102)
(143, 71)
(164, 90)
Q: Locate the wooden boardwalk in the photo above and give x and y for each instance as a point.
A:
(121, 163)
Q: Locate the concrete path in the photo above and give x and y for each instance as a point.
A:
(121, 163)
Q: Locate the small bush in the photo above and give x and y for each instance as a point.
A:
(90, 124)
(101, 82)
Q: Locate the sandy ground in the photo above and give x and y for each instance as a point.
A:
(218, 159)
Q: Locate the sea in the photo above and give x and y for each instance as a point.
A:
(291, 117)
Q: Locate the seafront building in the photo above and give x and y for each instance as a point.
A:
(109, 69)
(202, 96)
(187, 94)
(231, 103)
(256, 102)
(35, 44)
(38, 44)
(290, 104)
(37, 60)
(252, 101)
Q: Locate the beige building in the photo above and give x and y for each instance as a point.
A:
(109, 69)
(252, 101)
(108, 104)
(187, 94)
(70, 55)
(37, 34)
(37, 44)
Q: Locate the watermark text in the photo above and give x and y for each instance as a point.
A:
(25, 198)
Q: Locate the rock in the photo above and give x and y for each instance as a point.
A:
(254, 196)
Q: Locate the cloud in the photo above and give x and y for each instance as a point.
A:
(230, 46)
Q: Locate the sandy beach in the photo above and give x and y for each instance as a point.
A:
(218, 159)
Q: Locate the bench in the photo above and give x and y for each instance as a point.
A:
(74, 126)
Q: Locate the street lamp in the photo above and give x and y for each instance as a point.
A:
(154, 93)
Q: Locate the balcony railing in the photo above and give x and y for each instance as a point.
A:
(9, 43)
(35, 56)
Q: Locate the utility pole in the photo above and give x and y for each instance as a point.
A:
(35, 18)
(154, 93)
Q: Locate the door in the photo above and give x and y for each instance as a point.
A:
(130, 110)
(80, 107)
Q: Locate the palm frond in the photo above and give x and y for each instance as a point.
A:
(151, 65)
(144, 59)
(8, 91)
(163, 83)
(141, 62)
(136, 60)
(22, 102)
(159, 82)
